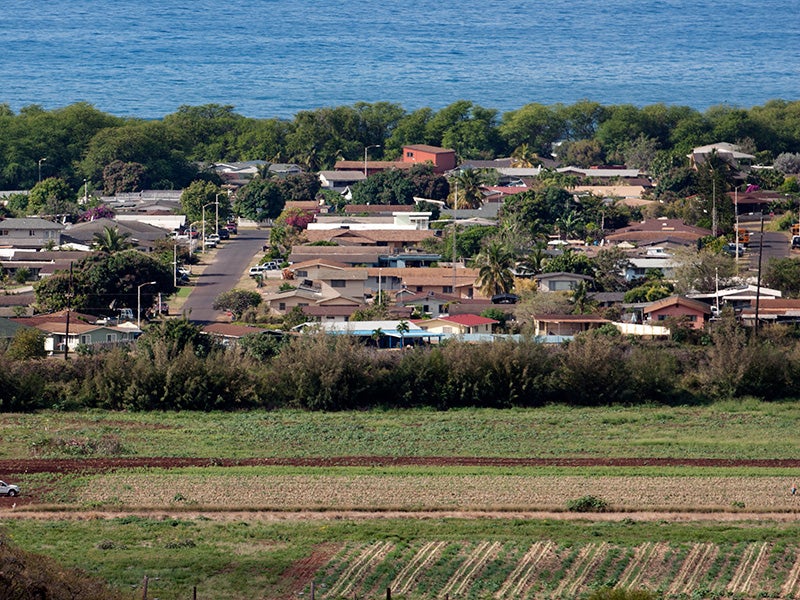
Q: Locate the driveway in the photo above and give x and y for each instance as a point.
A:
(230, 261)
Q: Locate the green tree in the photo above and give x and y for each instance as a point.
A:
(391, 186)
(175, 336)
(110, 240)
(783, 274)
(27, 343)
(236, 302)
(120, 177)
(570, 261)
(301, 186)
(536, 125)
(494, 264)
(259, 200)
(468, 185)
(51, 196)
(103, 283)
(204, 193)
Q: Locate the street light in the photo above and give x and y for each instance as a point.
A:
(365, 155)
(204, 222)
(139, 303)
(41, 160)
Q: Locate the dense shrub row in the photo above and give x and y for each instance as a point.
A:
(317, 372)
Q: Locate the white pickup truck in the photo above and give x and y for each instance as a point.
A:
(8, 489)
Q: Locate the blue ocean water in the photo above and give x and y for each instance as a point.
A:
(273, 58)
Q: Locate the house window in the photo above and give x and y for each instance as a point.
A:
(691, 318)
(426, 308)
(111, 337)
(302, 273)
(410, 154)
(662, 317)
(3, 231)
(281, 305)
(31, 232)
(338, 283)
(301, 304)
(447, 289)
(419, 288)
(86, 339)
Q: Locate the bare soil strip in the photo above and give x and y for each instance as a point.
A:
(581, 575)
(89, 465)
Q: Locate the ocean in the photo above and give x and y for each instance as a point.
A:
(273, 58)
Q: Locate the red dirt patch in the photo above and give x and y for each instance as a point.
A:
(95, 465)
(301, 572)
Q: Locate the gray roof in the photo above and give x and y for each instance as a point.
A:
(30, 223)
(9, 328)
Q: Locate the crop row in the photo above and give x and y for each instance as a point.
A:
(445, 492)
(492, 569)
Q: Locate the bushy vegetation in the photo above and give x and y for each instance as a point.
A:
(27, 576)
(175, 367)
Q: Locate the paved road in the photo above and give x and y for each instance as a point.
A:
(232, 259)
(776, 245)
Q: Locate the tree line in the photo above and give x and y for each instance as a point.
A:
(175, 367)
(79, 143)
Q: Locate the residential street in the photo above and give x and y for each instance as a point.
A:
(231, 261)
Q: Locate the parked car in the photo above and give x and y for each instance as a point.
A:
(796, 241)
(7, 489)
(263, 268)
(224, 234)
(232, 228)
(212, 238)
(210, 243)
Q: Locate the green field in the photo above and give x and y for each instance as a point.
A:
(246, 532)
(733, 430)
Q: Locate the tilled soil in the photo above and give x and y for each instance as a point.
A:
(9, 468)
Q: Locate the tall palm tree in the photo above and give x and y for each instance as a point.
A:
(494, 264)
(110, 240)
(468, 184)
(525, 157)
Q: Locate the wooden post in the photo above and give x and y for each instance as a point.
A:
(144, 588)
(312, 590)
(388, 593)
(194, 593)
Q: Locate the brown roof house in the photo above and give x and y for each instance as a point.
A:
(693, 313)
(658, 229)
(565, 325)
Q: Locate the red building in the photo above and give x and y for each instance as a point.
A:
(442, 159)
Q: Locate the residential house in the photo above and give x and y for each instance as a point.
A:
(339, 181)
(401, 220)
(565, 325)
(8, 329)
(560, 281)
(729, 153)
(308, 293)
(430, 303)
(686, 310)
(442, 159)
(142, 235)
(773, 310)
(654, 259)
(458, 324)
(229, 334)
(384, 334)
(349, 255)
(30, 233)
(657, 229)
(738, 298)
(459, 282)
(83, 330)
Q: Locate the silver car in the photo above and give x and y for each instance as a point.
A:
(7, 489)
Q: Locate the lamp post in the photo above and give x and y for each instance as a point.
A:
(204, 223)
(85, 191)
(365, 155)
(41, 160)
(139, 303)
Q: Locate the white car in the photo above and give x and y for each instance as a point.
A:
(7, 489)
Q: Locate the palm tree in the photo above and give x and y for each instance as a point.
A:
(525, 157)
(468, 185)
(568, 224)
(494, 264)
(581, 301)
(403, 329)
(110, 240)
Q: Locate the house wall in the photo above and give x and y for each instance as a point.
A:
(695, 319)
(442, 161)
(29, 238)
(284, 305)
